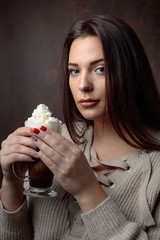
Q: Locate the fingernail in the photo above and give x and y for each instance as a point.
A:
(43, 128)
(35, 130)
(35, 159)
(37, 149)
(34, 138)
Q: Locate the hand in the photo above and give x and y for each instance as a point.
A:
(17, 148)
(69, 165)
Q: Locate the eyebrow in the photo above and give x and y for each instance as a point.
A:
(92, 63)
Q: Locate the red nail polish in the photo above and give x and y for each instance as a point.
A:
(43, 128)
(35, 130)
(31, 130)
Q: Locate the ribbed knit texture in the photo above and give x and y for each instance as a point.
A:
(119, 217)
(15, 225)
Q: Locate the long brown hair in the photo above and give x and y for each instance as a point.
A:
(132, 96)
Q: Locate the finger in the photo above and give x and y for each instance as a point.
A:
(14, 158)
(19, 149)
(58, 136)
(22, 131)
(46, 153)
(53, 160)
(56, 141)
(56, 151)
(21, 140)
(64, 160)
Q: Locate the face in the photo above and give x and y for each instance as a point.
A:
(87, 77)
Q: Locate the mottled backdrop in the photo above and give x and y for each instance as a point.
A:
(31, 37)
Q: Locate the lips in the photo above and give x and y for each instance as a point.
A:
(86, 103)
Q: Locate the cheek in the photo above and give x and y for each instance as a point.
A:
(102, 90)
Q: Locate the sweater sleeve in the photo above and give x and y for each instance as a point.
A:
(107, 221)
(15, 225)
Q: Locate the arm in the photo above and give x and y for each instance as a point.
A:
(15, 149)
(108, 220)
(101, 215)
(70, 167)
(15, 224)
(11, 194)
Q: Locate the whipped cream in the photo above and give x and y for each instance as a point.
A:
(42, 116)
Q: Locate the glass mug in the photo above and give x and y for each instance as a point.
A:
(40, 179)
(39, 176)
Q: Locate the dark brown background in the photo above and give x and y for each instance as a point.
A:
(31, 37)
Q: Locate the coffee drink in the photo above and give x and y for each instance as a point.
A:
(40, 175)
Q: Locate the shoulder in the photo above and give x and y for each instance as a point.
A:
(155, 155)
(155, 170)
(155, 159)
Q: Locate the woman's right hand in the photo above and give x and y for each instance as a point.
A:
(17, 149)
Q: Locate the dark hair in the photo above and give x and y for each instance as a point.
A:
(132, 97)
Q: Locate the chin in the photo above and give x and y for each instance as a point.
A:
(92, 117)
(92, 114)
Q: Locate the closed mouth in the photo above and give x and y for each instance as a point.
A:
(88, 102)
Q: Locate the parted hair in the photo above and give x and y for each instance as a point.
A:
(132, 97)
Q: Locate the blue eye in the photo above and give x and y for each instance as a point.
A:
(100, 70)
(73, 72)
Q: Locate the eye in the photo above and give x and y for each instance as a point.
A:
(100, 70)
(73, 72)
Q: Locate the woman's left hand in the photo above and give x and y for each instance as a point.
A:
(68, 164)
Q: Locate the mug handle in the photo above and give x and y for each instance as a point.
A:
(25, 178)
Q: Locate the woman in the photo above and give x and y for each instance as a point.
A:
(106, 163)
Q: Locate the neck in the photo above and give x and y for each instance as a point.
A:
(107, 143)
(104, 129)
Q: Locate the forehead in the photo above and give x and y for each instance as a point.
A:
(85, 49)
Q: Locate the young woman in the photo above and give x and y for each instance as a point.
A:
(106, 161)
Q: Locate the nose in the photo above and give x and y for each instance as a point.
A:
(85, 83)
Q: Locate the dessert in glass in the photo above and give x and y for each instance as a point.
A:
(40, 177)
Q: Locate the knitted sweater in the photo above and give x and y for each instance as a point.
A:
(131, 210)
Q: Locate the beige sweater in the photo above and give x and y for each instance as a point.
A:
(131, 212)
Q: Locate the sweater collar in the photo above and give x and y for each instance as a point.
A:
(121, 163)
